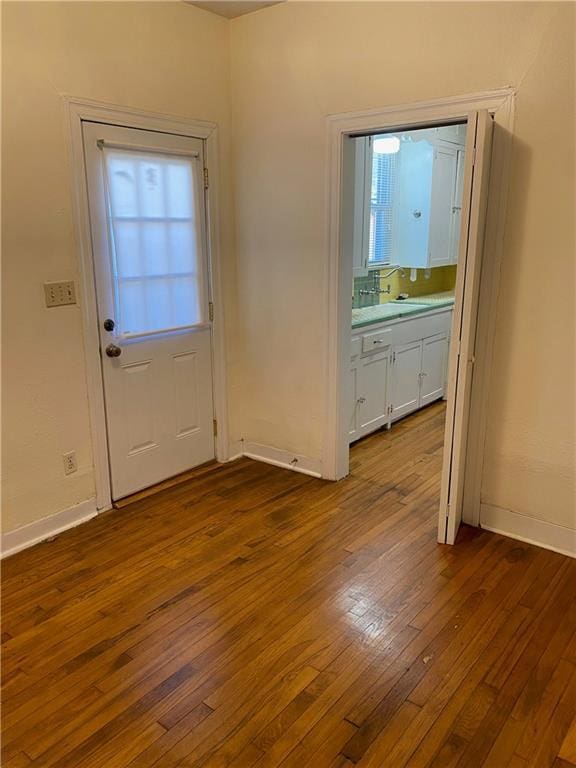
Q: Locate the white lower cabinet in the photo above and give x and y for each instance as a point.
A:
(405, 395)
(400, 377)
(369, 383)
(433, 368)
(418, 374)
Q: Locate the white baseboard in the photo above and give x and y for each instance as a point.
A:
(529, 529)
(280, 458)
(33, 533)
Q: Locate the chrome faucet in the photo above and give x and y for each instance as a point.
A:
(375, 290)
(376, 286)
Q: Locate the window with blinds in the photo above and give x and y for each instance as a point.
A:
(384, 174)
(156, 240)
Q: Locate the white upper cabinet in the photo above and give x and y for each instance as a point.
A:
(457, 207)
(426, 206)
(412, 205)
(444, 167)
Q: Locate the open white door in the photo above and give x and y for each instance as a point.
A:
(461, 364)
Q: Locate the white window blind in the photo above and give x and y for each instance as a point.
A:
(384, 174)
(156, 238)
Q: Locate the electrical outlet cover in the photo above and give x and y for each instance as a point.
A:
(60, 294)
(70, 464)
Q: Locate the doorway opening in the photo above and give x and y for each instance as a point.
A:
(408, 208)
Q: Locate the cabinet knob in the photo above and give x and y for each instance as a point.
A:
(417, 214)
(361, 400)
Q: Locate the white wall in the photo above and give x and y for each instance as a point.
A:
(163, 57)
(296, 63)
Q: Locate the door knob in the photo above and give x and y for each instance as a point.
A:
(113, 351)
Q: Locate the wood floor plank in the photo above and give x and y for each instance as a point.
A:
(251, 616)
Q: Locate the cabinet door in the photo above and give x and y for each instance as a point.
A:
(405, 377)
(412, 200)
(433, 371)
(457, 207)
(373, 392)
(443, 183)
(353, 404)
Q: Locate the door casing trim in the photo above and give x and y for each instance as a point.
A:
(77, 110)
(338, 274)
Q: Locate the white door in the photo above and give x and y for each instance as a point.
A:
(433, 373)
(147, 216)
(373, 392)
(474, 202)
(405, 379)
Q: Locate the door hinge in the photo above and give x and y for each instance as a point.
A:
(211, 310)
(206, 183)
(215, 427)
(473, 156)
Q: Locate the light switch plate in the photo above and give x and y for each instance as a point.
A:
(59, 294)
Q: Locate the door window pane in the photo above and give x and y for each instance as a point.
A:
(155, 232)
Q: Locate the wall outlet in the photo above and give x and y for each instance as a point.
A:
(60, 294)
(70, 464)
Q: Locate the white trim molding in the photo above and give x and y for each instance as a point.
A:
(284, 459)
(500, 103)
(40, 530)
(78, 110)
(558, 538)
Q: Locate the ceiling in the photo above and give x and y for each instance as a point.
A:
(232, 8)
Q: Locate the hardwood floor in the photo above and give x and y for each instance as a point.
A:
(256, 617)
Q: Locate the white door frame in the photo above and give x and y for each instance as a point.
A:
(78, 110)
(500, 103)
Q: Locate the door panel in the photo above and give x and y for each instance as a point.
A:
(373, 389)
(433, 373)
(443, 182)
(457, 208)
(412, 205)
(474, 203)
(405, 380)
(147, 216)
(353, 402)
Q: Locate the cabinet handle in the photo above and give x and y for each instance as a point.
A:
(378, 341)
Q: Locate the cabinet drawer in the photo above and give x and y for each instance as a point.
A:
(372, 342)
(421, 327)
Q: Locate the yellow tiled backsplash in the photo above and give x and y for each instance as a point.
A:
(441, 279)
